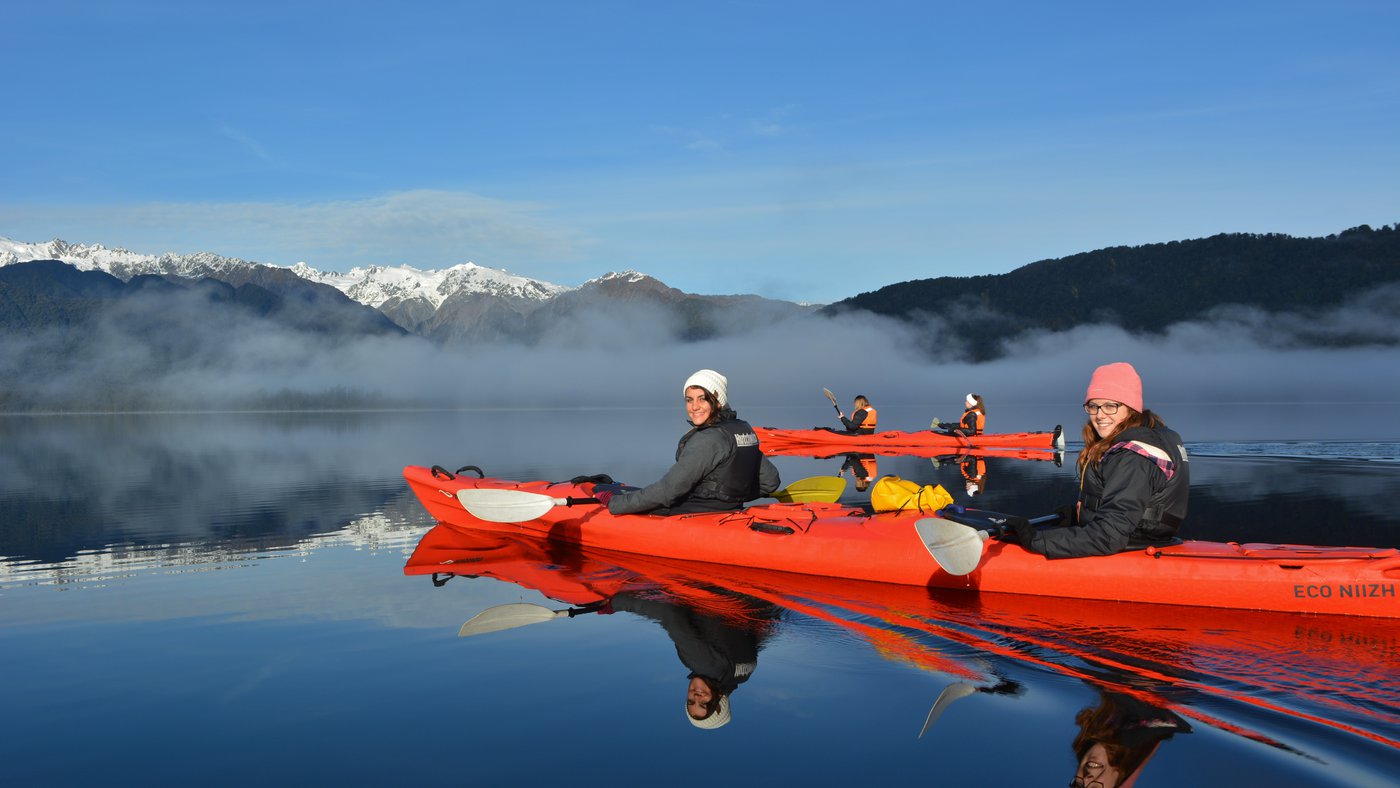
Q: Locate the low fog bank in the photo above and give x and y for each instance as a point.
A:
(187, 358)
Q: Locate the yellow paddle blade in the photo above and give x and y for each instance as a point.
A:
(814, 489)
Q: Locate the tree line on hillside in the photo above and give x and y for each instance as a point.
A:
(1145, 288)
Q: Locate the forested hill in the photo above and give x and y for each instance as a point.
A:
(1147, 288)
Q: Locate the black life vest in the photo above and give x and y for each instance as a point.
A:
(736, 479)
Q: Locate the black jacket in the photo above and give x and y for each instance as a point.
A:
(1135, 496)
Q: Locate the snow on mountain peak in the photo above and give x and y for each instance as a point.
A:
(372, 285)
(376, 284)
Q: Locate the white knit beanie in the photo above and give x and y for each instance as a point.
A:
(717, 720)
(711, 381)
(971, 400)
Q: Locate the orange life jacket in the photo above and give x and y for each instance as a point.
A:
(870, 418)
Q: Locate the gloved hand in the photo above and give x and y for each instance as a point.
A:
(1022, 528)
(604, 492)
(1068, 515)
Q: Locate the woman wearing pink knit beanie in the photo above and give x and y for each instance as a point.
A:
(1134, 476)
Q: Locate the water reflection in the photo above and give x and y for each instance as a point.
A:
(1263, 676)
(1118, 737)
(720, 649)
(863, 468)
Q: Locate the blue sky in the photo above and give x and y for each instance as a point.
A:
(800, 150)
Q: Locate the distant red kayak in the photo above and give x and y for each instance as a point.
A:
(829, 442)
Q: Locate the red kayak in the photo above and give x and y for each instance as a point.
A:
(834, 540)
(831, 442)
(942, 453)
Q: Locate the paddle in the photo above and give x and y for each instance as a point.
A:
(961, 689)
(517, 506)
(511, 506)
(814, 489)
(517, 614)
(950, 693)
(957, 548)
(832, 397)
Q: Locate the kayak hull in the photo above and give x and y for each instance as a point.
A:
(834, 540)
(782, 441)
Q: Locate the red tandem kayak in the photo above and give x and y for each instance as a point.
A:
(779, 441)
(834, 540)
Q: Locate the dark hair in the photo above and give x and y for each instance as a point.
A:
(982, 406)
(1117, 723)
(716, 695)
(716, 410)
(1094, 446)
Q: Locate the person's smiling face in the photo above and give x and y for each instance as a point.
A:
(1106, 415)
(697, 406)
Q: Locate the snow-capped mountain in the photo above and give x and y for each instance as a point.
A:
(121, 263)
(376, 285)
(466, 304)
(373, 286)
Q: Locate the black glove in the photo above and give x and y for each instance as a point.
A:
(1068, 515)
(1022, 528)
(606, 490)
(597, 478)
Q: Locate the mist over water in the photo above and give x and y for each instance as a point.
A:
(1233, 376)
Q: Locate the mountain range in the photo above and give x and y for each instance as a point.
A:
(1141, 289)
(463, 304)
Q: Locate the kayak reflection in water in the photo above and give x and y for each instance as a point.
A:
(862, 467)
(863, 420)
(720, 650)
(1116, 739)
(1134, 478)
(719, 466)
(972, 422)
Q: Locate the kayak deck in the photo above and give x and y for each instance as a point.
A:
(834, 540)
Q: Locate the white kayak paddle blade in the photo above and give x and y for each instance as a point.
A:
(957, 548)
(949, 694)
(516, 614)
(505, 506)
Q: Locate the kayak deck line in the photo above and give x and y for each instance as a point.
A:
(836, 540)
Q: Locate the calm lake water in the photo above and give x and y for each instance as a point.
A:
(235, 598)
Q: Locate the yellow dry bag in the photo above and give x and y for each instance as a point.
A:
(893, 494)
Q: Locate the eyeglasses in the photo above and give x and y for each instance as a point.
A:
(1109, 408)
(1092, 771)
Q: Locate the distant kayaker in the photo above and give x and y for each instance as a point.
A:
(719, 465)
(1134, 477)
(863, 419)
(973, 421)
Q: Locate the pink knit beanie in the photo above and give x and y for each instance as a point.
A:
(1118, 382)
